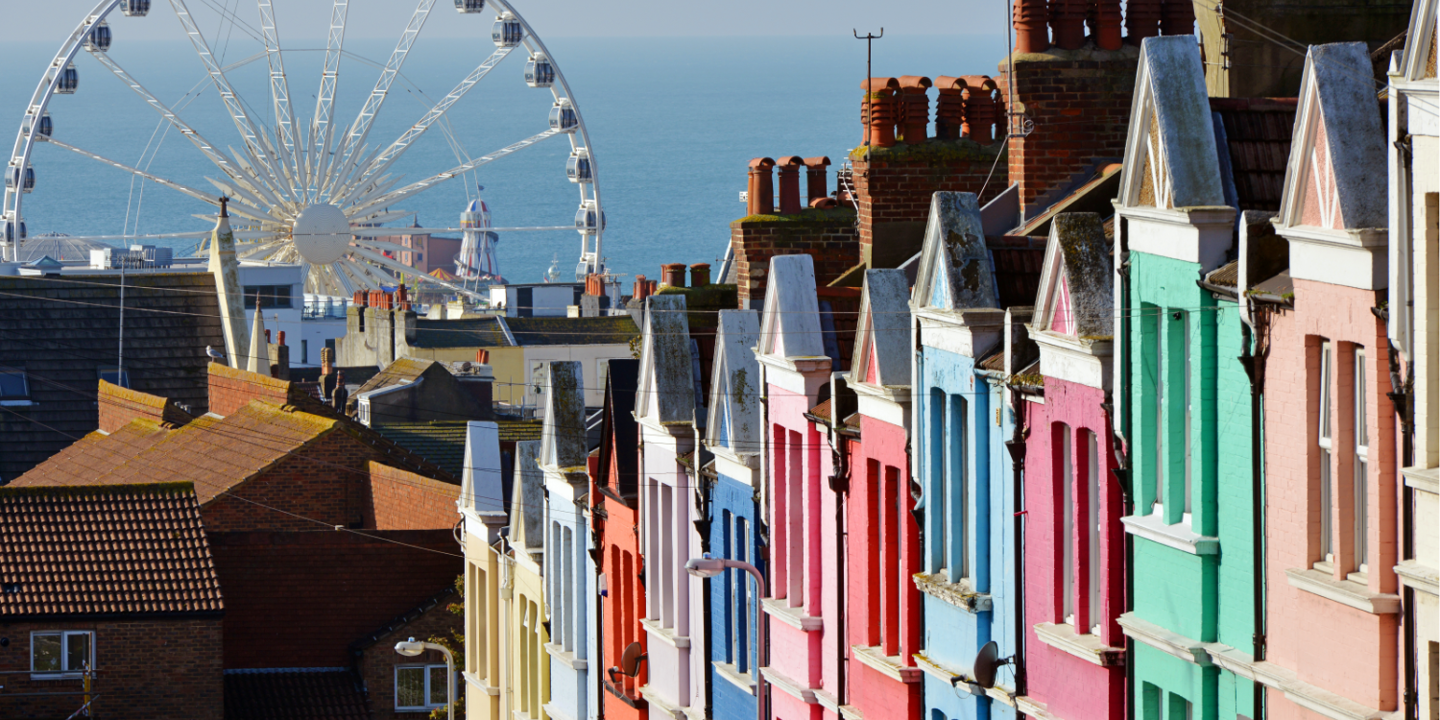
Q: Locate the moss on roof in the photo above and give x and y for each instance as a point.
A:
(470, 332)
(810, 216)
(610, 330)
(935, 152)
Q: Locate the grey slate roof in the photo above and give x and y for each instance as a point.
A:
(667, 390)
(955, 256)
(442, 443)
(61, 331)
(538, 331)
(885, 318)
(474, 332)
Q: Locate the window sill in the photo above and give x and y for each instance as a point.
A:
(57, 676)
(479, 684)
(790, 687)
(425, 710)
(659, 706)
(1177, 536)
(958, 594)
(740, 680)
(18, 403)
(1345, 592)
(792, 616)
(887, 665)
(1424, 479)
(1086, 646)
(565, 658)
(666, 635)
(1171, 643)
(1416, 575)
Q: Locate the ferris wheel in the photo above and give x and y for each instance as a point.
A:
(314, 192)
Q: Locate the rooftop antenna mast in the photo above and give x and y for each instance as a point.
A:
(869, 39)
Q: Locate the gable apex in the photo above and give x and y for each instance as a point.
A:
(883, 339)
(1171, 160)
(790, 327)
(563, 434)
(1332, 184)
(956, 271)
(1076, 277)
(527, 498)
(734, 419)
(667, 390)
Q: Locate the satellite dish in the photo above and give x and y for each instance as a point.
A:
(630, 659)
(987, 661)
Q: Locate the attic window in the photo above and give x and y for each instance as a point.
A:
(271, 296)
(14, 387)
(114, 376)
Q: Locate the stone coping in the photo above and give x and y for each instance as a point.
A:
(1346, 592)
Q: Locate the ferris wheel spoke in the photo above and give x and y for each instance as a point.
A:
(379, 187)
(347, 182)
(178, 187)
(217, 75)
(420, 186)
(403, 143)
(372, 277)
(360, 129)
(329, 79)
(279, 87)
(356, 277)
(268, 212)
(212, 153)
(372, 253)
(263, 249)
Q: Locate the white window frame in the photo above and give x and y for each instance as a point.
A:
(1067, 495)
(426, 671)
(1092, 489)
(65, 670)
(1361, 467)
(17, 400)
(1325, 442)
(1157, 506)
(957, 565)
(1188, 400)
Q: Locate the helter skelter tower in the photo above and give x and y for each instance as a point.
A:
(477, 261)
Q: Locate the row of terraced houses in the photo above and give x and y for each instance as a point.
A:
(1167, 448)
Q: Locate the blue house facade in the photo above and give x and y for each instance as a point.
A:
(733, 438)
(964, 474)
(569, 571)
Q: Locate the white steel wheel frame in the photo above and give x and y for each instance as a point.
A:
(271, 184)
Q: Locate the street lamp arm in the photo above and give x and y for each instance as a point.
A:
(412, 648)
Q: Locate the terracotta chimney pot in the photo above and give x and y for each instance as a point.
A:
(980, 109)
(877, 110)
(790, 184)
(949, 107)
(482, 356)
(1177, 18)
(642, 288)
(1106, 24)
(1142, 20)
(815, 178)
(1067, 20)
(760, 195)
(699, 275)
(673, 274)
(914, 106)
(1028, 19)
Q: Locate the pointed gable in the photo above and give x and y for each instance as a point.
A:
(1170, 155)
(1337, 177)
(882, 341)
(734, 420)
(619, 462)
(1076, 281)
(790, 327)
(483, 480)
(667, 390)
(956, 270)
(563, 434)
(527, 498)
(1418, 62)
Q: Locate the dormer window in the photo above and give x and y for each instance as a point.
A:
(14, 387)
(114, 376)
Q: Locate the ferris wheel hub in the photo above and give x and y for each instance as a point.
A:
(321, 234)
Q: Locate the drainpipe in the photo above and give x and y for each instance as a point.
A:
(1016, 446)
(1123, 470)
(840, 485)
(1400, 398)
(762, 550)
(1255, 369)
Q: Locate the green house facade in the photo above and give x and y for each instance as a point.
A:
(1185, 406)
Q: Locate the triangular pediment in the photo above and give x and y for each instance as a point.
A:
(790, 327)
(667, 390)
(1418, 61)
(1170, 152)
(734, 420)
(1337, 177)
(482, 480)
(563, 432)
(956, 271)
(1076, 280)
(882, 339)
(527, 498)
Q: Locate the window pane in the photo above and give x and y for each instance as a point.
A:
(45, 652)
(77, 651)
(1362, 433)
(410, 687)
(1325, 391)
(12, 385)
(438, 685)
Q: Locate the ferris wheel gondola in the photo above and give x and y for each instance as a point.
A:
(315, 192)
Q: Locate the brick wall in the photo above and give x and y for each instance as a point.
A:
(300, 599)
(377, 662)
(118, 406)
(153, 669)
(894, 186)
(828, 236)
(326, 479)
(402, 500)
(1080, 104)
(231, 389)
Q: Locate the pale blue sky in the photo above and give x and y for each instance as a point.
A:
(53, 19)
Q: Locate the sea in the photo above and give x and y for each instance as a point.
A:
(673, 123)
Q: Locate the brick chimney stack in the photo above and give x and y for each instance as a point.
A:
(760, 196)
(815, 179)
(790, 184)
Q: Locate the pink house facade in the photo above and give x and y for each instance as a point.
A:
(1075, 543)
(883, 606)
(802, 610)
(1332, 502)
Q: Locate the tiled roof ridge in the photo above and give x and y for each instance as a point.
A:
(226, 371)
(159, 488)
(167, 410)
(402, 619)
